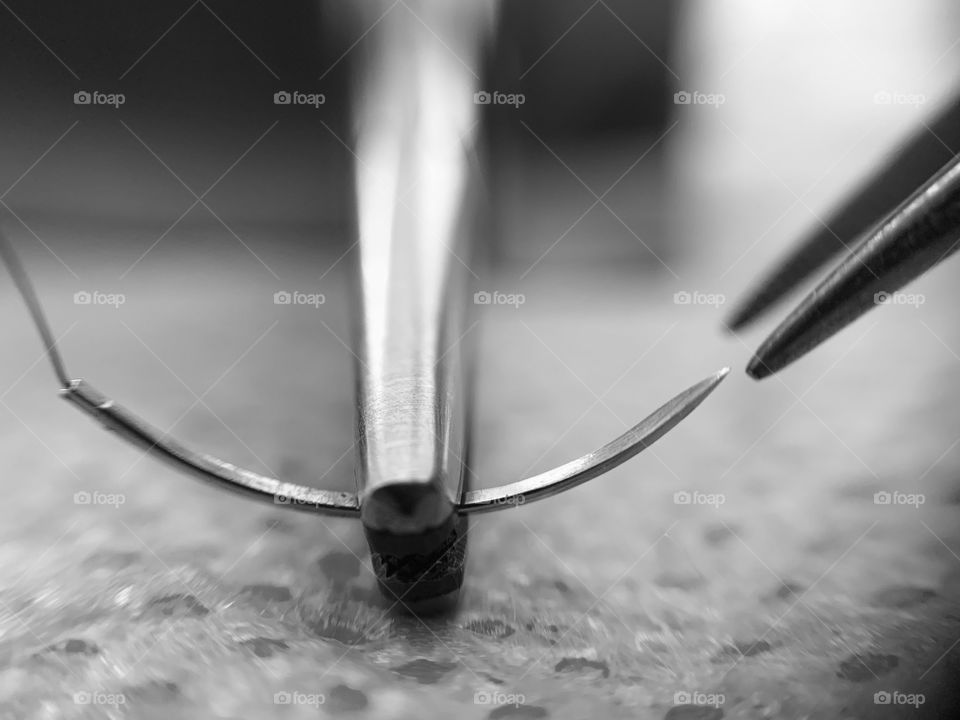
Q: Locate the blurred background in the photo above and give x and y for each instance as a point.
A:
(656, 158)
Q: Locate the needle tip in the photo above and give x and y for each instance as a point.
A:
(718, 377)
(701, 390)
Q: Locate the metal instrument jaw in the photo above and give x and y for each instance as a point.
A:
(919, 188)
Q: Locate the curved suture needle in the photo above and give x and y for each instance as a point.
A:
(618, 451)
(221, 473)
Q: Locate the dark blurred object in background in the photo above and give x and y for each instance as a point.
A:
(587, 68)
(199, 78)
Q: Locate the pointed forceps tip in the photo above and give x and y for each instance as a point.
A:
(921, 197)
(917, 236)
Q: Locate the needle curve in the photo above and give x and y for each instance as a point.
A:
(598, 462)
(137, 431)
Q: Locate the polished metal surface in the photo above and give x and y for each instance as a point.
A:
(416, 196)
(591, 465)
